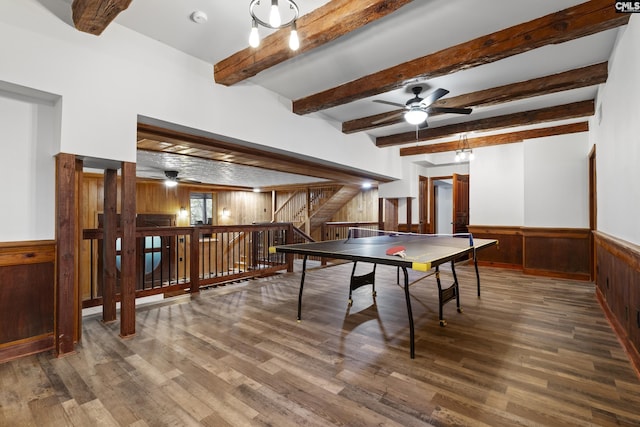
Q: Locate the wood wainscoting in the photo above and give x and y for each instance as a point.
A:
(618, 289)
(557, 252)
(507, 253)
(27, 284)
(540, 251)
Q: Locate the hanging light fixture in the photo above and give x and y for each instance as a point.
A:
(464, 152)
(274, 22)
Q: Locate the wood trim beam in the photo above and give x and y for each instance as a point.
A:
(573, 79)
(66, 254)
(110, 226)
(504, 138)
(321, 26)
(179, 142)
(128, 251)
(582, 20)
(93, 16)
(524, 118)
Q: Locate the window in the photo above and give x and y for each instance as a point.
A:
(201, 208)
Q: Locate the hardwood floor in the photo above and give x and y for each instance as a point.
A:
(531, 352)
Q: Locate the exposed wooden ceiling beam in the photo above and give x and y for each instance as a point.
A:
(503, 138)
(324, 24)
(578, 21)
(558, 112)
(573, 79)
(93, 16)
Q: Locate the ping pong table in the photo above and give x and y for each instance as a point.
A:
(422, 252)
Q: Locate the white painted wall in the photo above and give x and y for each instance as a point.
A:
(616, 133)
(27, 141)
(107, 81)
(556, 181)
(496, 186)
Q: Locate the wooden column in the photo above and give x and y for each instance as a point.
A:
(409, 209)
(79, 175)
(66, 254)
(109, 236)
(128, 251)
(380, 214)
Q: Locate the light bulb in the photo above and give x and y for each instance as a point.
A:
(294, 41)
(415, 116)
(170, 183)
(254, 37)
(471, 156)
(457, 156)
(274, 15)
(463, 155)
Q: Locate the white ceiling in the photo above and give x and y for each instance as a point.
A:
(415, 30)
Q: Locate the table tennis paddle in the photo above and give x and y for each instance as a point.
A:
(397, 250)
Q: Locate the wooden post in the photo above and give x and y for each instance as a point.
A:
(409, 219)
(109, 236)
(194, 261)
(65, 254)
(289, 241)
(79, 241)
(128, 251)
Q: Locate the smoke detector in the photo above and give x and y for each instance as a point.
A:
(199, 17)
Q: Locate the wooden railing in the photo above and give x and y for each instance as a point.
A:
(172, 259)
(296, 207)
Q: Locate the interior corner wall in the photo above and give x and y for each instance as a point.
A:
(108, 82)
(496, 186)
(556, 181)
(27, 141)
(616, 133)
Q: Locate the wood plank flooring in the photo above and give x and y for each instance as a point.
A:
(530, 352)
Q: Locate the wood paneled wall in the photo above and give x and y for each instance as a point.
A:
(362, 208)
(27, 286)
(618, 289)
(554, 252)
(153, 197)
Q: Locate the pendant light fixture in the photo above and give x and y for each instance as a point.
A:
(274, 22)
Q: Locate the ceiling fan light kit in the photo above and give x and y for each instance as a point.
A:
(274, 22)
(415, 115)
(418, 109)
(172, 178)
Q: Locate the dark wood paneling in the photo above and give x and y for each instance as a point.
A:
(26, 298)
(618, 285)
(558, 252)
(66, 254)
(507, 253)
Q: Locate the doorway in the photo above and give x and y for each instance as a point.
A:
(443, 201)
(446, 199)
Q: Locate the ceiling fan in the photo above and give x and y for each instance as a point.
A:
(170, 177)
(417, 109)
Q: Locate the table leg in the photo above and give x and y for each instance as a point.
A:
(304, 271)
(475, 263)
(410, 313)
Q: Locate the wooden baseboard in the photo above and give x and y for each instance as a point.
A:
(11, 351)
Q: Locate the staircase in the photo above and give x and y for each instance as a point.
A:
(325, 212)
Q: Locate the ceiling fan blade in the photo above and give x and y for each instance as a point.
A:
(434, 96)
(423, 125)
(395, 104)
(450, 110)
(388, 118)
